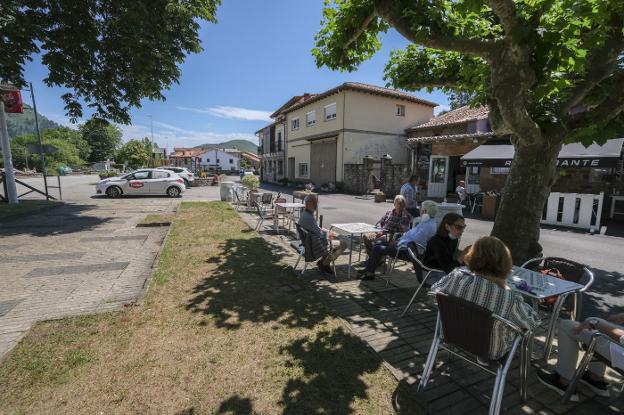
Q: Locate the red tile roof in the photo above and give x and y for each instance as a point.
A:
(186, 152)
(358, 86)
(458, 116)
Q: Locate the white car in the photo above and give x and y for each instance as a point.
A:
(183, 172)
(142, 182)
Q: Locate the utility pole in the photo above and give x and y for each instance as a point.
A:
(151, 163)
(41, 152)
(9, 174)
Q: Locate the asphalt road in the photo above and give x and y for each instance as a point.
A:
(604, 254)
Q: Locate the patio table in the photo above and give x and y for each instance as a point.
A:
(353, 229)
(288, 206)
(541, 286)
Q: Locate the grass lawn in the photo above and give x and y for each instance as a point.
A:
(24, 208)
(225, 329)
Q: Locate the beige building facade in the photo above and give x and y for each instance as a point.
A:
(344, 125)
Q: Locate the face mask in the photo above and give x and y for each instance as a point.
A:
(425, 217)
(452, 236)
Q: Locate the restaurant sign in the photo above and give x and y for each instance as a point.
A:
(591, 162)
(12, 100)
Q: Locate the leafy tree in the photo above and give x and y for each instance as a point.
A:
(134, 153)
(72, 136)
(551, 71)
(110, 54)
(66, 152)
(102, 137)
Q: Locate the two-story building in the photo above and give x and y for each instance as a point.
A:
(345, 124)
(219, 160)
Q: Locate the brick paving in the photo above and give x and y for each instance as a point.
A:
(78, 258)
(371, 310)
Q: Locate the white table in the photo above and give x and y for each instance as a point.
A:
(288, 206)
(353, 229)
(615, 199)
(543, 286)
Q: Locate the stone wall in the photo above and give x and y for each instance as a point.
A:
(357, 177)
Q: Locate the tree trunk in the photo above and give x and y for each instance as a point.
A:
(533, 172)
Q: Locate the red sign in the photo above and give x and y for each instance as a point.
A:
(12, 101)
(136, 185)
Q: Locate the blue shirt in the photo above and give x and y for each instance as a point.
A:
(420, 234)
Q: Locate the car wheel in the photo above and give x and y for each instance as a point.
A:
(113, 192)
(173, 191)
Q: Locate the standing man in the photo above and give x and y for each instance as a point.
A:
(408, 191)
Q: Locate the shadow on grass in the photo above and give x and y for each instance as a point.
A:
(251, 285)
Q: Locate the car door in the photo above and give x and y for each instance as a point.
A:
(138, 183)
(159, 182)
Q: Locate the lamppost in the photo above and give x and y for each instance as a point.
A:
(151, 153)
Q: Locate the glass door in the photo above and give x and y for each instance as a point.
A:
(438, 176)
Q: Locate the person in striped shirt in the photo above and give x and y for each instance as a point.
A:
(484, 282)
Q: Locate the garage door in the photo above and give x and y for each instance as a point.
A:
(323, 162)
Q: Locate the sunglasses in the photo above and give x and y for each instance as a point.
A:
(459, 227)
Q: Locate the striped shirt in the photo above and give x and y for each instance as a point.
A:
(507, 304)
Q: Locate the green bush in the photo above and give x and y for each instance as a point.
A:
(105, 174)
(251, 181)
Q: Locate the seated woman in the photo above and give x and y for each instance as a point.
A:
(484, 282)
(441, 252)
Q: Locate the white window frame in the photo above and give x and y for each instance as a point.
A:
(310, 123)
(292, 124)
(306, 170)
(330, 116)
(400, 110)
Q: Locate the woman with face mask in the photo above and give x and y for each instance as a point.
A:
(442, 250)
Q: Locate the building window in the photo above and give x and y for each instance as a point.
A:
(330, 112)
(400, 110)
(303, 169)
(218, 160)
(311, 118)
(207, 160)
(231, 161)
(279, 141)
(473, 175)
(280, 167)
(499, 170)
(294, 124)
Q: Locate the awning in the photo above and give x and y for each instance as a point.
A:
(571, 155)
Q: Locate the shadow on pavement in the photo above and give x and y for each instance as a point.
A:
(68, 218)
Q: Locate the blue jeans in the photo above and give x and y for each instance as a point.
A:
(380, 250)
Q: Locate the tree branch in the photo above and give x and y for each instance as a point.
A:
(603, 113)
(363, 26)
(506, 12)
(600, 65)
(392, 12)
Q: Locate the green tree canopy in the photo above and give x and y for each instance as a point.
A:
(66, 151)
(102, 137)
(551, 71)
(134, 152)
(110, 54)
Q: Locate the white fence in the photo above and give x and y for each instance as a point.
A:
(576, 210)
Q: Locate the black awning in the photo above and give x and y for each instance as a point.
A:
(571, 155)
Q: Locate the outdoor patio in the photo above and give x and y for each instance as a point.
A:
(372, 310)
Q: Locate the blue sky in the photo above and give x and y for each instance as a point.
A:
(255, 58)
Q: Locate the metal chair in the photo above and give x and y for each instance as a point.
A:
(286, 215)
(307, 255)
(267, 199)
(589, 354)
(464, 329)
(571, 271)
(263, 214)
(418, 248)
(476, 201)
(420, 269)
(239, 199)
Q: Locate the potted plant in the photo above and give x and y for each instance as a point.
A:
(251, 182)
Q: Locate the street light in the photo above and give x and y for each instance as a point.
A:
(151, 161)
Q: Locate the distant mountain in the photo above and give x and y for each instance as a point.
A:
(241, 145)
(19, 124)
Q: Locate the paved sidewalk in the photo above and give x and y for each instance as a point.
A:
(372, 311)
(75, 259)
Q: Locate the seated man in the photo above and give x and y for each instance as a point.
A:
(420, 234)
(324, 239)
(394, 220)
(569, 335)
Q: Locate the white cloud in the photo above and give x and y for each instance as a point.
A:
(441, 108)
(167, 134)
(232, 112)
